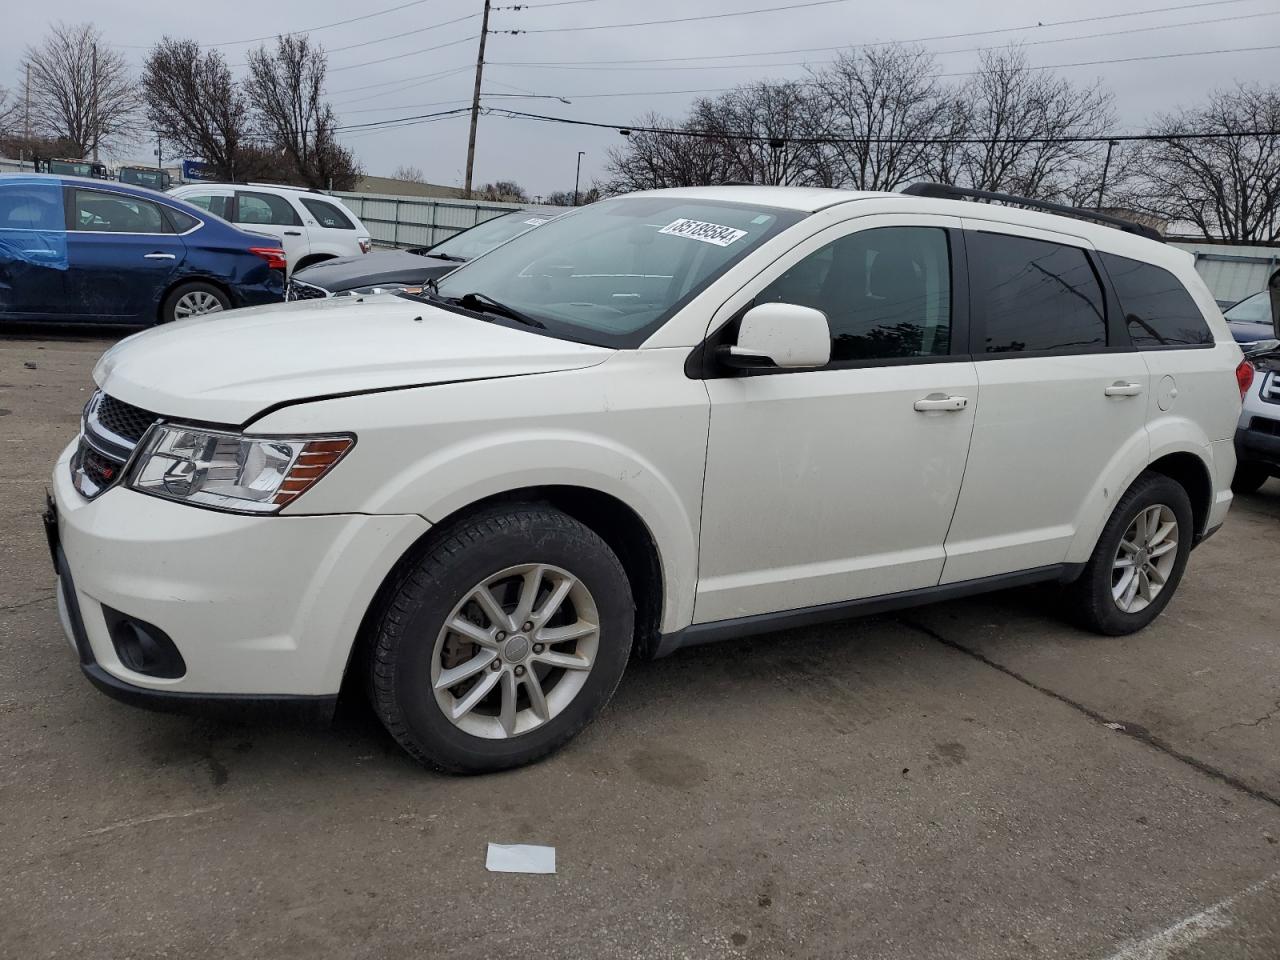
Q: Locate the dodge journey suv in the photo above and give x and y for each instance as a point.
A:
(660, 420)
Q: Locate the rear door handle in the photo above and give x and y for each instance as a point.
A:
(1123, 388)
(940, 401)
(159, 256)
(293, 233)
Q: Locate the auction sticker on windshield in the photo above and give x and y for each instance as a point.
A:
(715, 233)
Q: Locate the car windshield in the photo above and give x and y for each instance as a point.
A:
(612, 273)
(483, 237)
(1255, 309)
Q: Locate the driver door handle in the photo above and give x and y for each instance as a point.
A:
(1123, 388)
(293, 233)
(159, 256)
(940, 401)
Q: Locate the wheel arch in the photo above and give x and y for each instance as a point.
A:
(1190, 472)
(310, 260)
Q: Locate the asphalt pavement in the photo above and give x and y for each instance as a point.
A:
(974, 780)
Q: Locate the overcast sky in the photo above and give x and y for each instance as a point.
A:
(541, 156)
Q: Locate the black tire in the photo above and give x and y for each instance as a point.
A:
(412, 612)
(1090, 598)
(1249, 478)
(168, 310)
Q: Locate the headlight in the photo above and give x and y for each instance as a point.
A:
(228, 471)
(414, 288)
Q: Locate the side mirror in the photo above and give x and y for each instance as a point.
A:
(781, 335)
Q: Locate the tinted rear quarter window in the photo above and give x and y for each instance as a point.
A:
(182, 222)
(327, 214)
(266, 208)
(1158, 310)
(1035, 295)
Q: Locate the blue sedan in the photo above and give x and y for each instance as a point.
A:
(90, 251)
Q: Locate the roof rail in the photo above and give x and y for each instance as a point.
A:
(944, 191)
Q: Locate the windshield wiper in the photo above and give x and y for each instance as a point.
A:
(447, 256)
(484, 303)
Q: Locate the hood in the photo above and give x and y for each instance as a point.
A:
(229, 367)
(385, 266)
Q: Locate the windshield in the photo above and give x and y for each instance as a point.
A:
(1255, 309)
(483, 237)
(611, 273)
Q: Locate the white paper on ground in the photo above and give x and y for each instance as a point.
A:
(520, 858)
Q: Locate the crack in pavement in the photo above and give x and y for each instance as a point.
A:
(1251, 723)
(1132, 730)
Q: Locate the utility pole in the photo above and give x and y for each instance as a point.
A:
(475, 101)
(93, 130)
(159, 155)
(577, 175)
(1106, 165)
(27, 115)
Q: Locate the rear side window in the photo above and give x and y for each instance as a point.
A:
(96, 212)
(1035, 295)
(182, 222)
(1158, 310)
(886, 292)
(267, 209)
(327, 214)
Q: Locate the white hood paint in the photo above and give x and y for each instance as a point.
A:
(228, 367)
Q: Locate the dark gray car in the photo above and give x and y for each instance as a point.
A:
(410, 270)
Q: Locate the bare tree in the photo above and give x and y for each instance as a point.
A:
(81, 91)
(412, 174)
(196, 106)
(887, 102)
(653, 160)
(761, 130)
(503, 191)
(10, 115)
(1022, 122)
(1229, 187)
(286, 87)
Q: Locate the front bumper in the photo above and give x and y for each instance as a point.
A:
(1257, 445)
(260, 608)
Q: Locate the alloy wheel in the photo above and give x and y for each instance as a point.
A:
(515, 651)
(196, 302)
(1145, 558)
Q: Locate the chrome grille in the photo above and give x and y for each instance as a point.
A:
(110, 431)
(1270, 390)
(297, 290)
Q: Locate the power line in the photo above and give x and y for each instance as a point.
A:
(410, 83)
(705, 16)
(886, 43)
(404, 121)
(401, 56)
(611, 64)
(404, 33)
(430, 78)
(759, 138)
(285, 33)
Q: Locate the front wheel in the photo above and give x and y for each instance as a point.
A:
(501, 641)
(1139, 559)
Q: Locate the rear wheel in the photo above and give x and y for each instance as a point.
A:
(193, 300)
(1139, 558)
(1249, 478)
(502, 641)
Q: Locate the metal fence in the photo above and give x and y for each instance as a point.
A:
(419, 221)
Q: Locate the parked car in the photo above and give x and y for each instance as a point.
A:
(145, 177)
(1250, 319)
(310, 225)
(670, 418)
(390, 271)
(84, 250)
(71, 168)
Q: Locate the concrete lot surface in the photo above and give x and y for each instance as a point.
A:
(972, 780)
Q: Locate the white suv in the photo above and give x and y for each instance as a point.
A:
(660, 420)
(312, 226)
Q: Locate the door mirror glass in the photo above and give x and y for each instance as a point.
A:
(782, 335)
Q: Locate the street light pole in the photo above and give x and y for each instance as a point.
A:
(577, 174)
(1106, 165)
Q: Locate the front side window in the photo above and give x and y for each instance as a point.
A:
(327, 215)
(218, 205)
(96, 212)
(886, 292)
(1035, 295)
(612, 273)
(266, 209)
(31, 206)
(1157, 308)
